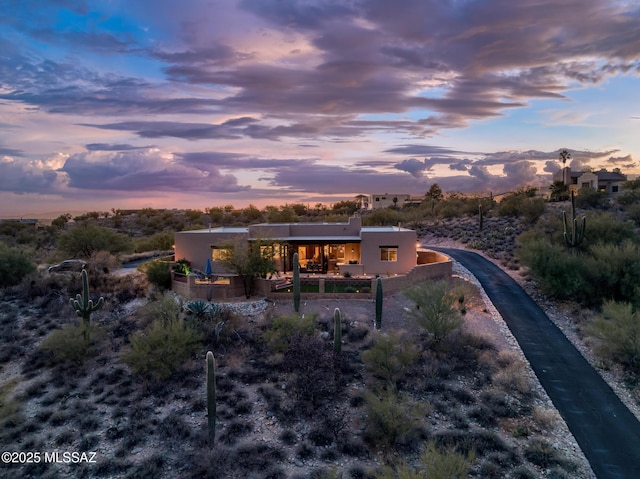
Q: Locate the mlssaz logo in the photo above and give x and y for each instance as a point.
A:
(68, 457)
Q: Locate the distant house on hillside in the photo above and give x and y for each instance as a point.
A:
(609, 182)
(386, 200)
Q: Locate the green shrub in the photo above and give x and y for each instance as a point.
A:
(157, 242)
(434, 464)
(165, 307)
(393, 419)
(69, 344)
(435, 308)
(390, 356)
(8, 406)
(162, 348)
(279, 334)
(14, 265)
(159, 274)
(618, 332)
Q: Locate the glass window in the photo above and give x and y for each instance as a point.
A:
(220, 254)
(388, 253)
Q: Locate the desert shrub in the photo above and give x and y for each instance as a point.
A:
(545, 419)
(590, 198)
(164, 307)
(156, 242)
(435, 463)
(542, 453)
(69, 344)
(390, 356)
(307, 358)
(279, 334)
(159, 274)
(522, 204)
(618, 332)
(8, 405)
(513, 377)
(14, 266)
(383, 217)
(393, 419)
(435, 308)
(102, 262)
(162, 348)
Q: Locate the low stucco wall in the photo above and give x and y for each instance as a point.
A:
(438, 266)
(423, 272)
(186, 286)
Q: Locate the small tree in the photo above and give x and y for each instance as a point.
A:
(84, 240)
(250, 260)
(435, 308)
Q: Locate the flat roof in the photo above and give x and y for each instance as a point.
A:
(382, 229)
(221, 229)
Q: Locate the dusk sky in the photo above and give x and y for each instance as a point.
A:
(198, 103)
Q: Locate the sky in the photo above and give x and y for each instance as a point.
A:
(200, 103)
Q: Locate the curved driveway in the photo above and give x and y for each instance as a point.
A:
(605, 429)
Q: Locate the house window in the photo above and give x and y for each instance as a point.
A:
(388, 253)
(614, 189)
(377, 198)
(220, 254)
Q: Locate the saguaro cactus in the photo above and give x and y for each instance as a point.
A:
(574, 230)
(296, 283)
(337, 331)
(378, 303)
(85, 306)
(211, 397)
(481, 213)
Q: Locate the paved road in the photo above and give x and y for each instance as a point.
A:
(607, 432)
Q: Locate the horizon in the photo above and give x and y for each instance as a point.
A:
(268, 102)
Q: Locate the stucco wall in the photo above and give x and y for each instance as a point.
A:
(404, 239)
(195, 246)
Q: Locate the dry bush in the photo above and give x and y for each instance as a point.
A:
(514, 378)
(545, 419)
(70, 344)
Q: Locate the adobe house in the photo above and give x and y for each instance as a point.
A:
(609, 182)
(339, 249)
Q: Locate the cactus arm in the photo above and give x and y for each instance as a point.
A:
(211, 397)
(337, 331)
(378, 323)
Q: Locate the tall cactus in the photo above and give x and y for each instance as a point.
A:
(574, 230)
(337, 331)
(211, 397)
(378, 303)
(481, 213)
(296, 283)
(85, 306)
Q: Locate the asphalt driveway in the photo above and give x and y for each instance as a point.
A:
(605, 429)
